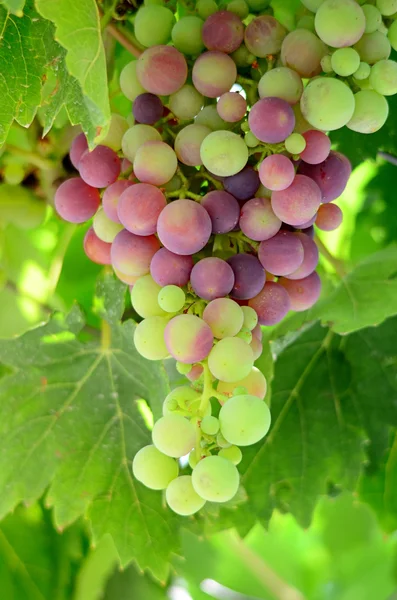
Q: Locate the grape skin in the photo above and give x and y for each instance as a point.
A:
(76, 201)
(329, 217)
(224, 316)
(187, 35)
(96, 250)
(318, 147)
(182, 498)
(244, 420)
(223, 31)
(186, 103)
(310, 255)
(188, 338)
(144, 298)
(373, 47)
(249, 276)
(340, 23)
(212, 278)
(214, 73)
(100, 167)
(131, 254)
(147, 108)
(223, 209)
(105, 228)
(302, 52)
(149, 338)
(215, 479)
(264, 35)
(231, 107)
(188, 143)
(281, 254)
(303, 293)
(276, 172)
(161, 70)
(153, 25)
(331, 176)
(283, 83)
(168, 268)
(327, 103)
(224, 153)
(242, 185)
(271, 304)
(255, 383)
(77, 149)
(298, 203)
(153, 468)
(135, 137)
(174, 435)
(231, 359)
(111, 196)
(129, 83)
(383, 77)
(184, 227)
(155, 163)
(271, 120)
(139, 208)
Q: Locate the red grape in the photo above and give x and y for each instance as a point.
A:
(76, 201)
(281, 254)
(96, 250)
(184, 227)
(212, 278)
(139, 208)
(299, 202)
(271, 304)
(101, 167)
(131, 254)
(271, 120)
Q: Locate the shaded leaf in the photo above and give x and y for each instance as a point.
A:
(14, 6)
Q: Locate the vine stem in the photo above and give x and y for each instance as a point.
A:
(123, 40)
(335, 262)
(207, 390)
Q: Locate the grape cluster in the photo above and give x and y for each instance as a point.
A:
(204, 201)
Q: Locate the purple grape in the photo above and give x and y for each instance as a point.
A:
(131, 254)
(318, 146)
(306, 224)
(299, 202)
(243, 185)
(139, 208)
(77, 149)
(276, 172)
(76, 201)
(258, 221)
(303, 293)
(147, 109)
(271, 304)
(223, 31)
(310, 257)
(168, 268)
(249, 276)
(282, 254)
(96, 250)
(161, 70)
(111, 196)
(188, 338)
(271, 120)
(223, 209)
(309, 231)
(184, 227)
(331, 175)
(329, 217)
(212, 278)
(100, 168)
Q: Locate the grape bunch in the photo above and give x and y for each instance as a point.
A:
(204, 200)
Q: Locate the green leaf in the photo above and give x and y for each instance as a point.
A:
(366, 296)
(96, 570)
(78, 31)
(80, 430)
(14, 6)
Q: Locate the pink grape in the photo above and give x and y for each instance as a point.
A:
(282, 254)
(76, 201)
(223, 209)
(249, 276)
(310, 257)
(77, 149)
(258, 221)
(256, 347)
(101, 167)
(271, 304)
(184, 227)
(168, 268)
(131, 254)
(224, 316)
(271, 120)
(128, 279)
(299, 202)
(223, 31)
(147, 109)
(214, 73)
(188, 142)
(195, 373)
(242, 185)
(255, 383)
(264, 35)
(212, 278)
(139, 208)
(276, 172)
(231, 106)
(302, 52)
(303, 293)
(307, 224)
(331, 175)
(96, 250)
(188, 338)
(318, 146)
(309, 231)
(329, 217)
(155, 163)
(111, 196)
(257, 332)
(161, 70)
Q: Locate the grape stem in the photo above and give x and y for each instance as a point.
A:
(207, 390)
(337, 264)
(388, 157)
(128, 43)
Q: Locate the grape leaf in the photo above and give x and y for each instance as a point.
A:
(69, 420)
(322, 408)
(78, 31)
(366, 296)
(14, 6)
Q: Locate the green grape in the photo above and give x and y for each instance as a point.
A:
(221, 442)
(13, 173)
(239, 8)
(370, 113)
(245, 126)
(306, 22)
(387, 7)
(182, 368)
(242, 56)
(186, 35)
(244, 420)
(153, 468)
(392, 35)
(173, 184)
(258, 5)
(135, 137)
(312, 5)
(245, 334)
(362, 72)
(373, 47)
(129, 82)
(240, 391)
(174, 435)
(182, 498)
(327, 103)
(149, 338)
(144, 297)
(117, 128)
(383, 77)
(345, 61)
(153, 25)
(339, 23)
(183, 397)
(171, 298)
(130, 120)
(150, 2)
(210, 425)
(231, 359)
(224, 316)
(233, 453)
(326, 63)
(373, 18)
(224, 153)
(250, 140)
(206, 8)
(215, 479)
(105, 228)
(209, 117)
(250, 317)
(193, 460)
(295, 143)
(281, 82)
(186, 103)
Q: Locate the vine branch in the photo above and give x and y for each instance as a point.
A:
(125, 41)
